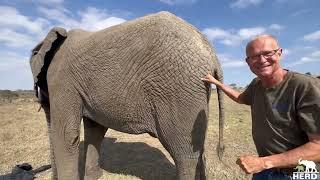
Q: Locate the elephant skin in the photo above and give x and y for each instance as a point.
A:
(142, 76)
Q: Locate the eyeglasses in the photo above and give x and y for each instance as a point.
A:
(265, 54)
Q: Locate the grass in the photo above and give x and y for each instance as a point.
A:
(23, 138)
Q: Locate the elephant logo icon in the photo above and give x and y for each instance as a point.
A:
(307, 166)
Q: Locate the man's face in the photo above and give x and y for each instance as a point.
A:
(263, 57)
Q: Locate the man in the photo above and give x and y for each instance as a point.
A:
(285, 108)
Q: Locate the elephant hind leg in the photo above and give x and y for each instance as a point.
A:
(179, 141)
(189, 164)
(93, 136)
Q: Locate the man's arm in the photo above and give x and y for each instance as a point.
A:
(309, 151)
(233, 94)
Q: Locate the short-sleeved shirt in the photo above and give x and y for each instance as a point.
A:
(283, 115)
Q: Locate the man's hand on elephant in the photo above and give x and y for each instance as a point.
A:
(251, 164)
(209, 78)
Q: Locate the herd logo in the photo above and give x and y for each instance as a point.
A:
(305, 170)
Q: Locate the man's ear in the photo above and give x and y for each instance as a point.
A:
(247, 61)
(280, 52)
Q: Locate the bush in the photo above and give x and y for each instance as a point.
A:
(7, 95)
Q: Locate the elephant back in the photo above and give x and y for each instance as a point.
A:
(43, 53)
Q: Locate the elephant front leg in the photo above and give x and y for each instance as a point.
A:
(93, 136)
(65, 125)
(46, 109)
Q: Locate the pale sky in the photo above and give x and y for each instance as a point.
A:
(227, 24)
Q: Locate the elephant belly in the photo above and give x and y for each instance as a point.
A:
(121, 114)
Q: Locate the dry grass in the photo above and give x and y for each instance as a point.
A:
(23, 138)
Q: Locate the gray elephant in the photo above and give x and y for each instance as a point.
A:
(142, 76)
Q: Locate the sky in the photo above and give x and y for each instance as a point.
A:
(228, 25)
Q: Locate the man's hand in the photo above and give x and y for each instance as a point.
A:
(251, 164)
(209, 78)
(233, 94)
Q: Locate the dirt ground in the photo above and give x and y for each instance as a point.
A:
(23, 138)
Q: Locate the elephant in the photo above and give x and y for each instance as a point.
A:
(141, 76)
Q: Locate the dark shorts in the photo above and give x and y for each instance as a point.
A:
(270, 174)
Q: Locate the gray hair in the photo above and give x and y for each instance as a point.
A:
(261, 36)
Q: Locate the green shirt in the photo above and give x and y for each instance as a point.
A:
(283, 115)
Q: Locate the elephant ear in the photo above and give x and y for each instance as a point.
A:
(43, 53)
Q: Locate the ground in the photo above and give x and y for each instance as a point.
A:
(23, 138)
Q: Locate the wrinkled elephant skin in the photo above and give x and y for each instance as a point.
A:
(142, 76)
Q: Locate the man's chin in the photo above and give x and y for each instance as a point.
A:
(264, 74)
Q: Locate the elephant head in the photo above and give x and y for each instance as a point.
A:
(40, 59)
(42, 55)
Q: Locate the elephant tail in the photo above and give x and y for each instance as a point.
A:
(41, 57)
(220, 149)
